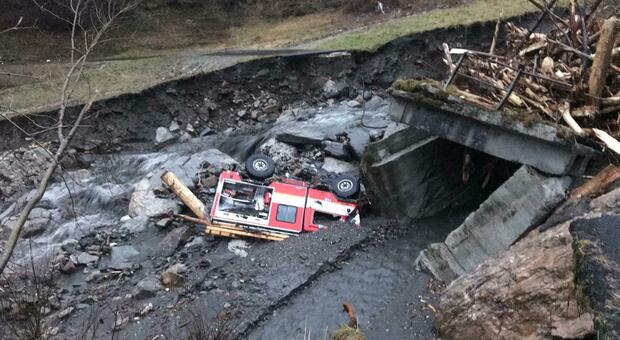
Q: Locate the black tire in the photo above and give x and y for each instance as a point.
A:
(345, 186)
(260, 166)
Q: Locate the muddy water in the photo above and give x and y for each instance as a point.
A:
(390, 298)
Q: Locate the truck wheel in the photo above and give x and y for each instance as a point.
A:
(346, 186)
(260, 166)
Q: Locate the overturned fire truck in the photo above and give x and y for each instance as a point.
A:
(262, 206)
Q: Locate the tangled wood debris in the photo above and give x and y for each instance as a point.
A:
(566, 74)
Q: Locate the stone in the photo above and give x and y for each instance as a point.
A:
(280, 152)
(144, 203)
(120, 257)
(358, 140)
(353, 103)
(147, 309)
(164, 222)
(96, 274)
(336, 166)
(136, 225)
(333, 89)
(174, 126)
(190, 128)
(174, 276)
(34, 227)
(241, 113)
(173, 240)
(528, 292)
(185, 137)
(519, 204)
(206, 132)
(238, 247)
(70, 245)
(393, 128)
(163, 137)
(146, 288)
(300, 135)
(336, 150)
(197, 242)
(84, 258)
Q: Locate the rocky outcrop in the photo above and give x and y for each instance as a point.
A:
(518, 205)
(529, 292)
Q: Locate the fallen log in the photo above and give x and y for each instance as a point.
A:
(596, 185)
(185, 195)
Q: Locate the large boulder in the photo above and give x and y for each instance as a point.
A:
(145, 203)
(529, 292)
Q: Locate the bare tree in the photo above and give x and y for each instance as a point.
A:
(89, 21)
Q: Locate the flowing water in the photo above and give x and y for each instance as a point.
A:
(98, 197)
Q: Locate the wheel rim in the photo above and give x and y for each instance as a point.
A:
(345, 185)
(260, 165)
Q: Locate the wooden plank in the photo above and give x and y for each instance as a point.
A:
(231, 230)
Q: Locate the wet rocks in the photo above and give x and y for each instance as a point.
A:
(146, 288)
(20, 168)
(358, 140)
(336, 150)
(336, 166)
(84, 258)
(174, 240)
(145, 203)
(519, 204)
(527, 292)
(174, 276)
(120, 257)
(163, 137)
(333, 89)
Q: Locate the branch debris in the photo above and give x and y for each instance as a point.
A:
(566, 74)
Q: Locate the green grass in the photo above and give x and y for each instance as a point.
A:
(374, 37)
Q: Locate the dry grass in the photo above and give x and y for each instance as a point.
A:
(478, 11)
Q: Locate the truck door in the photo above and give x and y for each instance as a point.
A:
(287, 207)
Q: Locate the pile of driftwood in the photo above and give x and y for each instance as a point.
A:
(565, 75)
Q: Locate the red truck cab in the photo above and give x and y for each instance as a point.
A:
(285, 205)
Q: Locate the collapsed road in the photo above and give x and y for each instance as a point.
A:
(122, 261)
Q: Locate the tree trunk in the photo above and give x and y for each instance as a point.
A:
(602, 60)
(184, 194)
